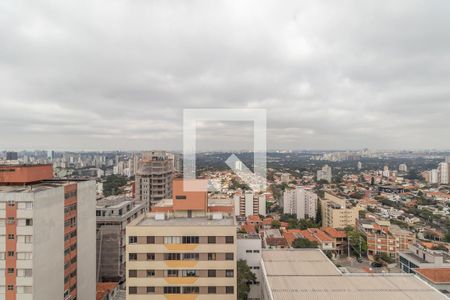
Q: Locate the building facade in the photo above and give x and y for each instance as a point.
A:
(113, 215)
(182, 251)
(249, 204)
(301, 202)
(324, 174)
(154, 178)
(249, 249)
(47, 235)
(337, 213)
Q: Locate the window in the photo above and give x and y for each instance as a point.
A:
(132, 273)
(172, 256)
(255, 251)
(150, 256)
(212, 290)
(211, 239)
(190, 240)
(229, 256)
(10, 270)
(189, 273)
(150, 240)
(191, 256)
(29, 222)
(172, 273)
(150, 273)
(211, 273)
(132, 256)
(10, 220)
(10, 253)
(211, 256)
(229, 273)
(10, 287)
(172, 240)
(180, 197)
(191, 290)
(248, 251)
(229, 239)
(172, 290)
(132, 290)
(229, 290)
(10, 236)
(150, 290)
(11, 203)
(132, 239)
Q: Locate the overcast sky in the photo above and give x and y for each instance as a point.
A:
(103, 75)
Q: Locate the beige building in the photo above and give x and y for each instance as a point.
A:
(337, 213)
(182, 252)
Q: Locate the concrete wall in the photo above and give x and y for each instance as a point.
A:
(48, 244)
(86, 244)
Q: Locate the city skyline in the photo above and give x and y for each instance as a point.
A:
(331, 75)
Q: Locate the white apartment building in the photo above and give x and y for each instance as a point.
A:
(443, 173)
(249, 249)
(249, 204)
(301, 202)
(324, 174)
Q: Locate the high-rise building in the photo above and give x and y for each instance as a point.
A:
(337, 213)
(113, 215)
(324, 174)
(249, 249)
(154, 178)
(47, 230)
(434, 176)
(182, 251)
(301, 202)
(249, 204)
(11, 156)
(359, 165)
(403, 168)
(443, 173)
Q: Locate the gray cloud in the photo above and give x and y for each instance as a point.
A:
(118, 74)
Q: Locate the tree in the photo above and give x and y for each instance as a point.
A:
(356, 239)
(372, 181)
(113, 184)
(304, 243)
(244, 277)
(276, 224)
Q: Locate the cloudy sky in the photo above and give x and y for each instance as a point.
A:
(117, 74)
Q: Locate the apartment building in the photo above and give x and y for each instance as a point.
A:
(113, 215)
(337, 213)
(249, 204)
(182, 251)
(47, 235)
(301, 202)
(249, 247)
(385, 238)
(154, 177)
(324, 174)
(418, 256)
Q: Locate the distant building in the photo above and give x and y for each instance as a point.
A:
(301, 202)
(359, 165)
(285, 177)
(12, 156)
(403, 168)
(419, 256)
(324, 174)
(49, 229)
(385, 238)
(113, 215)
(154, 178)
(434, 176)
(443, 173)
(249, 204)
(337, 213)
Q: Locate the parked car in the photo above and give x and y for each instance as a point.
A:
(376, 264)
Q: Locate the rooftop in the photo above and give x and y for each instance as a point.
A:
(437, 275)
(150, 220)
(308, 273)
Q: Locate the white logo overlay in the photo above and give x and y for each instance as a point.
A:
(256, 180)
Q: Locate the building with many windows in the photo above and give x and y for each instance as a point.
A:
(249, 248)
(181, 250)
(337, 213)
(47, 235)
(301, 202)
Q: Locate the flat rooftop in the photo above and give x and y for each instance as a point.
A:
(309, 274)
(195, 221)
(38, 187)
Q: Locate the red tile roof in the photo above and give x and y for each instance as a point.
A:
(438, 275)
(249, 228)
(334, 233)
(103, 288)
(254, 219)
